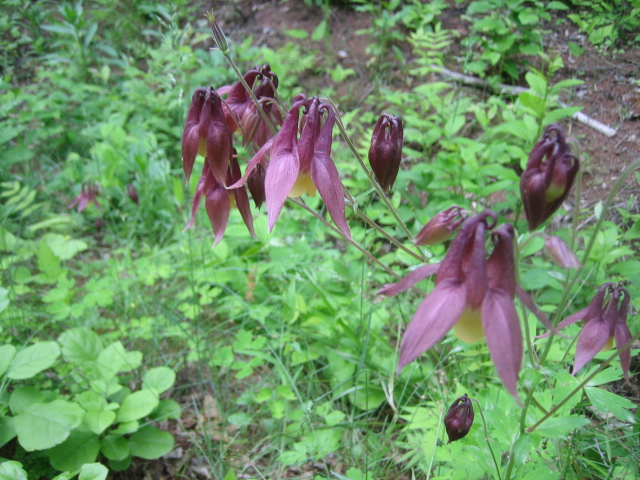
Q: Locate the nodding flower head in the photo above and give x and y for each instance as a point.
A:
(301, 161)
(560, 252)
(219, 202)
(241, 111)
(459, 418)
(604, 320)
(473, 296)
(385, 152)
(206, 133)
(88, 194)
(440, 227)
(548, 176)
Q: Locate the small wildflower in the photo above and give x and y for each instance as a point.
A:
(206, 133)
(87, 195)
(560, 253)
(473, 295)
(440, 227)
(604, 320)
(548, 176)
(133, 193)
(301, 161)
(459, 418)
(385, 152)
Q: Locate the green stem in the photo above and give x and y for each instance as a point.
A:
(586, 380)
(338, 232)
(486, 438)
(371, 177)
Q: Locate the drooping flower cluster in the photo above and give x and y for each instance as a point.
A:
(208, 131)
(548, 176)
(473, 295)
(301, 161)
(604, 320)
(459, 418)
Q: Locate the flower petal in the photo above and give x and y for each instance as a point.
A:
(218, 205)
(281, 176)
(504, 337)
(593, 337)
(327, 180)
(434, 318)
(392, 289)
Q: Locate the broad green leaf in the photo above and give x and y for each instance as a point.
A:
(93, 471)
(608, 402)
(30, 361)
(561, 426)
(44, 425)
(159, 379)
(126, 427)
(120, 465)
(138, 405)
(63, 247)
(12, 470)
(167, 409)
(115, 447)
(90, 400)
(48, 264)
(7, 353)
(7, 430)
(112, 360)
(80, 345)
(81, 447)
(98, 420)
(150, 442)
(22, 397)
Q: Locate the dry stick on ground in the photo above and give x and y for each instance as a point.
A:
(478, 82)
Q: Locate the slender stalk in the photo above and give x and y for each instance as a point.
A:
(370, 175)
(486, 437)
(338, 232)
(561, 306)
(586, 380)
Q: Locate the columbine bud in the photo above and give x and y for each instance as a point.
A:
(385, 152)
(440, 227)
(218, 34)
(548, 177)
(133, 193)
(560, 253)
(459, 418)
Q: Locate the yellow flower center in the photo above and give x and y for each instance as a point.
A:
(608, 345)
(202, 147)
(303, 184)
(468, 328)
(554, 192)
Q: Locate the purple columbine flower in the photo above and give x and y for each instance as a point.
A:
(385, 152)
(473, 295)
(459, 418)
(88, 194)
(240, 110)
(218, 202)
(548, 176)
(440, 227)
(301, 161)
(560, 252)
(206, 133)
(604, 320)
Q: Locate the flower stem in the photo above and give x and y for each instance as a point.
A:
(486, 437)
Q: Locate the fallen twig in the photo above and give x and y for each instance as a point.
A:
(478, 82)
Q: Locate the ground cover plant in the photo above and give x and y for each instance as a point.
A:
(357, 212)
